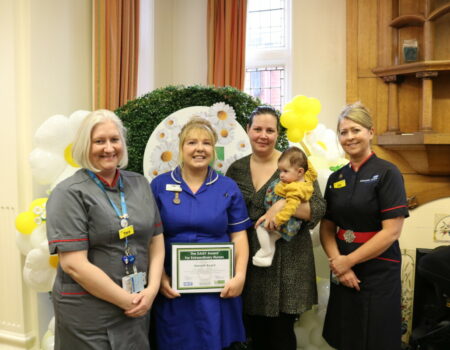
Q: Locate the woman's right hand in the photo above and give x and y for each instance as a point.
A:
(350, 280)
(165, 288)
(269, 216)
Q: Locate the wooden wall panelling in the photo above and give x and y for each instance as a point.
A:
(442, 41)
(381, 122)
(370, 46)
(352, 51)
(410, 104)
(441, 106)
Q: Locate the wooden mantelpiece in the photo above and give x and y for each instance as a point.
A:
(426, 153)
(412, 68)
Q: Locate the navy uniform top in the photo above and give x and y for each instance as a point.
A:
(80, 217)
(215, 211)
(361, 200)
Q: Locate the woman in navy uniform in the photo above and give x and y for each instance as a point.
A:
(88, 216)
(366, 207)
(198, 205)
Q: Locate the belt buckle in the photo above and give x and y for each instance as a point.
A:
(349, 236)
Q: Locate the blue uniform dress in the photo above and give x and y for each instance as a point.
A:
(358, 202)
(198, 321)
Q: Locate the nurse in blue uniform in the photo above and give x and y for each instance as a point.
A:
(199, 205)
(366, 207)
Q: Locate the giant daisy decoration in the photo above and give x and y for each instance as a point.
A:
(161, 152)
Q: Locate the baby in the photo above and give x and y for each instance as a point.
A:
(296, 186)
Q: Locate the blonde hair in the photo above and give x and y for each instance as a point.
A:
(81, 148)
(358, 113)
(195, 124)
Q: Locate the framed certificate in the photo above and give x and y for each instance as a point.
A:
(201, 267)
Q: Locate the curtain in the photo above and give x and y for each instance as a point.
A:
(115, 52)
(226, 42)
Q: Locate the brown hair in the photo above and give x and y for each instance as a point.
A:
(296, 157)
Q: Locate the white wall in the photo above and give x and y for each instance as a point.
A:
(319, 54)
(45, 67)
(180, 42)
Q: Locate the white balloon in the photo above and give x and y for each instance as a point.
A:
(23, 242)
(53, 134)
(302, 336)
(67, 172)
(38, 235)
(75, 120)
(51, 325)
(37, 272)
(315, 336)
(315, 236)
(322, 178)
(308, 319)
(323, 291)
(45, 165)
(48, 341)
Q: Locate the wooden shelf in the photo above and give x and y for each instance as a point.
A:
(408, 21)
(412, 68)
(439, 12)
(426, 153)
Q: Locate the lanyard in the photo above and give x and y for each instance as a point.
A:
(123, 204)
(128, 258)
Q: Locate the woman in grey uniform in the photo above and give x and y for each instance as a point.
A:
(105, 227)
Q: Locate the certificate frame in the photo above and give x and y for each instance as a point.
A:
(201, 267)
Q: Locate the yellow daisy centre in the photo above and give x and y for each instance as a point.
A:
(222, 115)
(224, 133)
(166, 156)
(162, 135)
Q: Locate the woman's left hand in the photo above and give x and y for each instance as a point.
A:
(340, 264)
(142, 303)
(233, 287)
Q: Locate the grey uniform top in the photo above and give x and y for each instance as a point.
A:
(80, 217)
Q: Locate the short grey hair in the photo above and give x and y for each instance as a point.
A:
(81, 148)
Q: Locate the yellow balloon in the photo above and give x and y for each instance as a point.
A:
(300, 104)
(295, 134)
(25, 222)
(288, 107)
(39, 202)
(309, 122)
(53, 260)
(68, 157)
(288, 119)
(314, 106)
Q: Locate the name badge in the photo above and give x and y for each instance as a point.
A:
(127, 231)
(173, 188)
(134, 283)
(339, 184)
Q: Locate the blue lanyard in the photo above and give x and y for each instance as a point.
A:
(123, 204)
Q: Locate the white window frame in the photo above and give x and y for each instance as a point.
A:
(257, 58)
